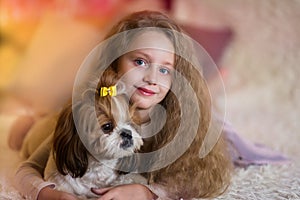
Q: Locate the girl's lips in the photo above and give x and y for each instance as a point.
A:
(145, 91)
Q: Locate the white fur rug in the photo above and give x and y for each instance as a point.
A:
(8, 163)
(262, 89)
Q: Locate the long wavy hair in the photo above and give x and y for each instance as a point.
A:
(189, 176)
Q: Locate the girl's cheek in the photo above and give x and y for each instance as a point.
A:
(165, 81)
(129, 74)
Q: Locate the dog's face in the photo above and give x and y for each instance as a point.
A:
(118, 136)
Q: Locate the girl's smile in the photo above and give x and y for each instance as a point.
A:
(145, 91)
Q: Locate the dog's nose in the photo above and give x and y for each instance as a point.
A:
(125, 133)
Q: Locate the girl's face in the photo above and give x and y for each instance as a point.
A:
(147, 70)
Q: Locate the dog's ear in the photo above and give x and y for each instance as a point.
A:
(71, 157)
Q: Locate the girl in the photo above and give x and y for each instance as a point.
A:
(149, 69)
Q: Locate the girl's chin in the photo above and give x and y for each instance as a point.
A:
(143, 106)
(141, 103)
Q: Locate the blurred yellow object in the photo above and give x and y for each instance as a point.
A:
(16, 34)
(9, 57)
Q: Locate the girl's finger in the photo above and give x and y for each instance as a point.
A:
(100, 191)
(107, 196)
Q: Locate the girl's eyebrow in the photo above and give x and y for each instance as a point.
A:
(143, 54)
(150, 58)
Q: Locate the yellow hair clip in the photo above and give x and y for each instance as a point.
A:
(111, 91)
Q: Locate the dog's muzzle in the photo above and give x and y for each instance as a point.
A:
(127, 140)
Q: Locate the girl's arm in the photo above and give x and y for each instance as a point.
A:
(29, 181)
(29, 176)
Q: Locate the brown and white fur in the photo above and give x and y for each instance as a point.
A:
(71, 166)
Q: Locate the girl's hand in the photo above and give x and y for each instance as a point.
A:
(52, 194)
(125, 192)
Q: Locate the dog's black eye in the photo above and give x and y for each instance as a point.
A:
(107, 128)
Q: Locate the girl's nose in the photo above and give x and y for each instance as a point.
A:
(150, 75)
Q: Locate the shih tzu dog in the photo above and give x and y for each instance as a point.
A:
(85, 156)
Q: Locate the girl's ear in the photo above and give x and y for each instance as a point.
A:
(71, 157)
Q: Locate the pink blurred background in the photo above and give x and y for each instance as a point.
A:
(44, 42)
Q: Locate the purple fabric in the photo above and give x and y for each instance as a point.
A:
(245, 153)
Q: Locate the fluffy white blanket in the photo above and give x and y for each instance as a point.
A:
(8, 163)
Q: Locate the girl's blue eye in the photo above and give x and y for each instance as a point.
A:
(164, 70)
(140, 62)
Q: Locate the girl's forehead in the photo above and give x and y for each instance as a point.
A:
(152, 40)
